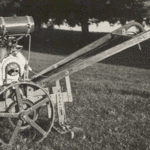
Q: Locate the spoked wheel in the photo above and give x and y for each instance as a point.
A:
(30, 113)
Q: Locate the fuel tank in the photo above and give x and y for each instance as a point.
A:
(16, 25)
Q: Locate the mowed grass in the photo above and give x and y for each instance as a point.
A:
(111, 100)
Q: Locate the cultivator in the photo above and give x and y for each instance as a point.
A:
(27, 106)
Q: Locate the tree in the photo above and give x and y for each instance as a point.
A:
(80, 11)
(73, 11)
(8, 7)
(38, 9)
(77, 11)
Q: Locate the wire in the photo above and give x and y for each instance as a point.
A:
(29, 52)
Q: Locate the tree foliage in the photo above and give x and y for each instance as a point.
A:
(76, 11)
(80, 11)
(8, 7)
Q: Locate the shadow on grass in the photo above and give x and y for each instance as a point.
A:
(61, 42)
(142, 94)
(132, 57)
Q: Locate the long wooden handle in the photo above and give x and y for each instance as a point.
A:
(68, 70)
(87, 49)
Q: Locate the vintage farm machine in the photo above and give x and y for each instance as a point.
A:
(27, 106)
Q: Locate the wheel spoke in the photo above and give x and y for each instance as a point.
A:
(36, 106)
(18, 96)
(16, 130)
(9, 115)
(35, 125)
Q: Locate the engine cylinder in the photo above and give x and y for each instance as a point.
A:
(16, 25)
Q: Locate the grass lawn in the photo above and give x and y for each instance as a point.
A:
(111, 99)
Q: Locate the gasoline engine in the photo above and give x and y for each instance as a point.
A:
(24, 104)
(13, 65)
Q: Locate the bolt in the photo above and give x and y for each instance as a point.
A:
(67, 72)
(24, 116)
(55, 66)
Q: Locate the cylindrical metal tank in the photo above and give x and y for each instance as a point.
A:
(16, 25)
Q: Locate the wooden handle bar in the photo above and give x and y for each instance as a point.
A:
(99, 57)
(87, 49)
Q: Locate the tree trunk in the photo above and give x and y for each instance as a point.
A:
(85, 31)
(85, 28)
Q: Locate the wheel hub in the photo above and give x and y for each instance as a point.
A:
(26, 105)
(23, 116)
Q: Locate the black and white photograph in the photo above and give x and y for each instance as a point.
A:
(74, 74)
